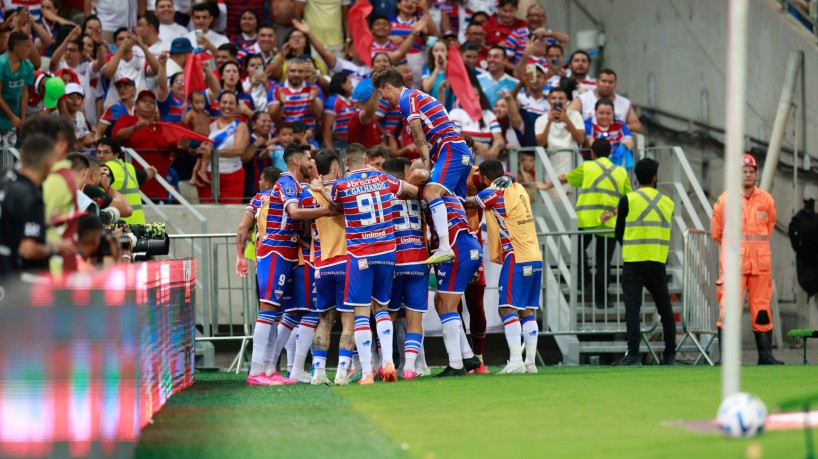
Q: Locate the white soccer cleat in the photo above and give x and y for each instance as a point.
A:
(302, 378)
(422, 371)
(320, 379)
(342, 378)
(531, 368)
(516, 367)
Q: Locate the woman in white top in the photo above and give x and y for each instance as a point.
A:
(230, 139)
(486, 132)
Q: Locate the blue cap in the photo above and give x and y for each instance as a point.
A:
(180, 45)
(363, 90)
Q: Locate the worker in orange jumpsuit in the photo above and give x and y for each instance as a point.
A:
(758, 221)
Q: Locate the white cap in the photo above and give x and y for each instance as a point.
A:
(74, 88)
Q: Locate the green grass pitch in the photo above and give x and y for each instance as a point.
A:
(582, 412)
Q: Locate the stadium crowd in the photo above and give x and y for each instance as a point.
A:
(289, 70)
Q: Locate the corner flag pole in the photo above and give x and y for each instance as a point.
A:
(731, 240)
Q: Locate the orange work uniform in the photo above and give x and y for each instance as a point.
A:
(757, 225)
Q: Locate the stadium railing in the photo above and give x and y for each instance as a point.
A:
(808, 19)
(700, 307)
(228, 303)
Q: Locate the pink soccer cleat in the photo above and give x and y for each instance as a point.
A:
(261, 380)
(481, 370)
(281, 379)
(409, 374)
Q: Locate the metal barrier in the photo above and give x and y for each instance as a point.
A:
(8, 156)
(699, 304)
(224, 300)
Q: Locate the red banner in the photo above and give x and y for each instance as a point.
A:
(461, 85)
(359, 28)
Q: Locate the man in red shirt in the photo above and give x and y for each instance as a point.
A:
(500, 26)
(363, 126)
(135, 131)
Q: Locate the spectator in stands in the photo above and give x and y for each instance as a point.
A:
(74, 103)
(261, 151)
(337, 112)
(230, 138)
(363, 125)
(282, 13)
(155, 149)
(226, 53)
(604, 125)
(147, 27)
(381, 28)
(24, 22)
(197, 120)
(98, 187)
(16, 74)
(501, 25)
(297, 46)
(180, 51)
(555, 56)
(470, 53)
(284, 138)
(643, 230)
(295, 100)
(243, 21)
(527, 174)
(532, 100)
(533, 53)
(511, 123)
(168, 29)
(585, 103)
(205, 38)
(351, 65)
(561, 131)
(328, 19)
(126, 90)
(130, 64)
(434, 74)
(52, 21)
(518, 39)
(265, 47)
(476, 34)
(595, 198)
(579, 64)
(256, 84)
(486, 132)
(70, 55)
(402, 25)
(247, 35)
(124, 178)
(231, 82)
(496, 81)
(23, 247)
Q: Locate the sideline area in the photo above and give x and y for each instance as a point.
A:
(560, 412)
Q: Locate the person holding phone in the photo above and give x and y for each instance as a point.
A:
(561, 131)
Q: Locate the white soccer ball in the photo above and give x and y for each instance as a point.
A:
(742, 415)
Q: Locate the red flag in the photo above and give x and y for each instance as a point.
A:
(461, 85)
(359, 27)
(171, 132)
(194, 78)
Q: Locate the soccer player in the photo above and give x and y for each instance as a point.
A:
(276, 256)
(330, 256)
(438, 141)
(513, 242)
(411, 276)
(366, 198)
(452, 279)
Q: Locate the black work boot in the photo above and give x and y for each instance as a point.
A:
(721, 347)
(764, 342)
(670, 358)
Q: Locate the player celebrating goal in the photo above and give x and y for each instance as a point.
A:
(437, 140)
(513, 242)
(366, 198)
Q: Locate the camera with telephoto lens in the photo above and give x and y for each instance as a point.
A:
(151, 240)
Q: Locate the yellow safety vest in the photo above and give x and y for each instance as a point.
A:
(125, 182)
(647, 226)
(603, 185)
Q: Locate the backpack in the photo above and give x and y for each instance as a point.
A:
(803, 232)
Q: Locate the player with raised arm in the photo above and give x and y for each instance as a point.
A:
(513, 243)
(329, 253)
(441, 148)
(411, 276)
(366, 198)
(276, 255)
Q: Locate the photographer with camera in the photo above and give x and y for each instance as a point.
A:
(124, 177)
(23, 246)
(98, 187)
